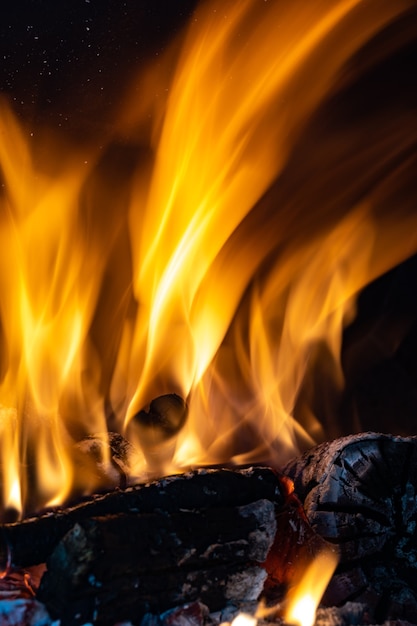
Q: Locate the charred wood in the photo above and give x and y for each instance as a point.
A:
(134, 598)
(32, 540)
(360, 493)
(121, 567)
(127, 543)
(163, 419)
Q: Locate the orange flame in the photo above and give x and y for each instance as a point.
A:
(215, 270)
(304, 599)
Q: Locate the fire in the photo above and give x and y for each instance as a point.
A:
(304, 599)
(304, 596)
(218, 269)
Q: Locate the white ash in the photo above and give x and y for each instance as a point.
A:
(247, 585)
(264, 511)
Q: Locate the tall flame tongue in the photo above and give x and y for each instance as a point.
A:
(49, 282)
(304, 598)
(234, 286)
(246, 84)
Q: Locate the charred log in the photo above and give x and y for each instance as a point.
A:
(135, 563)
(32, 540)
(359, 492)
(121, 567)
(163, 419)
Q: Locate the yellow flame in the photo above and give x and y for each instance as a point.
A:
(219, 269)
(303, 597)
(9, 438)
(303, 600)
(49, 286)
(230, 120)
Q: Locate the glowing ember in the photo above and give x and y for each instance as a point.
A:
(186, 276)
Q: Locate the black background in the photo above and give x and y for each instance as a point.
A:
(61, 62)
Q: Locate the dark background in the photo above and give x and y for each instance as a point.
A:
(62, 62)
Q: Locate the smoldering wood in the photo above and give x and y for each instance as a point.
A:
(295, 546)
(31, 541)
(122, 566)
(359, 492)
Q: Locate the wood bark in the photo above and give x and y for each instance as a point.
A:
(359, 492)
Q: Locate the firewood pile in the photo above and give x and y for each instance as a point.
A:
(191, 549)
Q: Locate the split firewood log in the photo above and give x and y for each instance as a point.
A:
(359, 492)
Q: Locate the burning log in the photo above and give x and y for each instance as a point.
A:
(32, 540)
(203, 536)
(123, 566)
(211, 536)
(359, 492)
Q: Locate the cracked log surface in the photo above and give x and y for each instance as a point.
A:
(359, 492)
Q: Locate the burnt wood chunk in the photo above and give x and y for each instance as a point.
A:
(121, 567)
(32, 540)
(360, 493)
(163, 419)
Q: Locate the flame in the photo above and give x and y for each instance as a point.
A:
(220, 268)
(304, 599)
(49, 292)
(304, 596)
